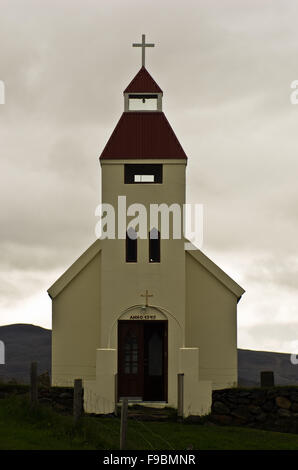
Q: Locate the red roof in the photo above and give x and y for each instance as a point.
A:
(143, 135)
(143, 83)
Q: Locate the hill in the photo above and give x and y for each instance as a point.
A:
(23, 345)
(26, 343)
(251, 363)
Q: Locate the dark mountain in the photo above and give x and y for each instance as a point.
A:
(251, 363)
(27, 343)
(24, 344)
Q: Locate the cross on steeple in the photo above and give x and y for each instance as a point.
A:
(143, 45)
(147, 295)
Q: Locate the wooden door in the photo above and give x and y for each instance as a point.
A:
(142, 360)
(154, 361)
(130, 359)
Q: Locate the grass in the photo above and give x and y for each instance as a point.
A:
(41, 428)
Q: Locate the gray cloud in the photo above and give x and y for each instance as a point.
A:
(274, 336)
(280, 273)
(225, 68)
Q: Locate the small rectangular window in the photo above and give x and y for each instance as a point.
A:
(131, 249)
(144, 178)
(154, 246)
(142, 173)
(142, 102)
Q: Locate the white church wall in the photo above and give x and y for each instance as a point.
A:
(175, 342)
(211, 325)
(76, 326)
(197, 394)
(106, 368)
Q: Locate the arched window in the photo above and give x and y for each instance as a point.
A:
(154, 246)
(131, 246)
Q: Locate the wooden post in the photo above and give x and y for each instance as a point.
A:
(180, 407)
(123, 426)
(77, 400)
(267, 378)
(33, 383)
(116, 395)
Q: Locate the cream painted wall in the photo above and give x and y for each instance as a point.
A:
(211, 325)
(76, 326)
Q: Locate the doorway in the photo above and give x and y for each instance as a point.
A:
(142, 360)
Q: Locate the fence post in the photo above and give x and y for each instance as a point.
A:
(267, 378)
(77, 400)
(123, 426)
(116, 395)
(180, 407)
(33, 383)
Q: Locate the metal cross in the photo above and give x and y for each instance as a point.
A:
(143, 45)
(147, 295)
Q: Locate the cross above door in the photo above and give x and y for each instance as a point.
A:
(147, 295)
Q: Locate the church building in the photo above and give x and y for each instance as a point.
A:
(131, 313)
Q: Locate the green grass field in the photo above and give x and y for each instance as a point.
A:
(42, 428)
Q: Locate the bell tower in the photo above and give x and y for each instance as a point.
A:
(144, 162)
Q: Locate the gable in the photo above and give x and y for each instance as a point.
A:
(74, 269)
(143, 83)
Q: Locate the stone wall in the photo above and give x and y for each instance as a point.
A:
(273, 408)
(59, 398)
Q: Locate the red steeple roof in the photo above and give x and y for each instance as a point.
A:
(143, 83)
(143, 135)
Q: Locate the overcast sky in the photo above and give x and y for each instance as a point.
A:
(225, 68)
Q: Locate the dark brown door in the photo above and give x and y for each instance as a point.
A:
(130, 359)
(142, 360)
(154, 361)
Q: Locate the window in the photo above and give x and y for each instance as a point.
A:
(130, 353)
(142, 173)
(144, 178)
(154, 246)
(131, 246)
(142, 102)
(155, 354)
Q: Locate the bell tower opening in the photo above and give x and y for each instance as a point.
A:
(142, 102)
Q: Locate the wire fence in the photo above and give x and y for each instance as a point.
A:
(155, 434)
(106, 405)
(100, 405)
